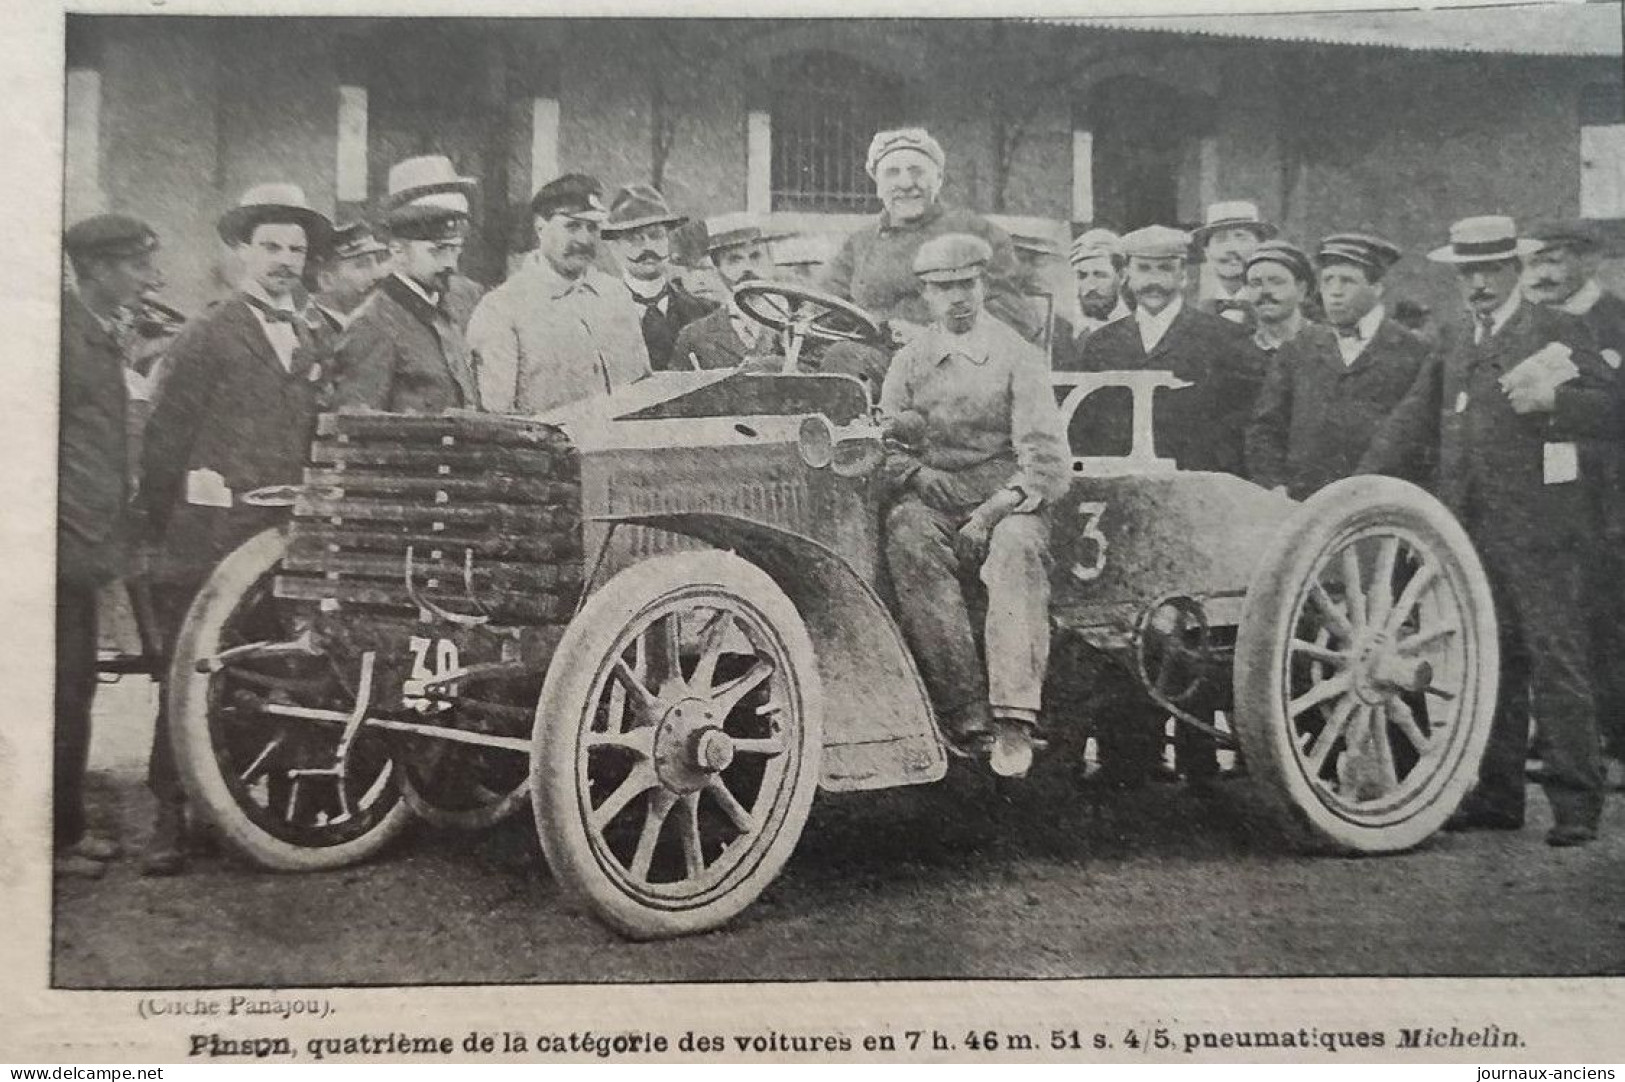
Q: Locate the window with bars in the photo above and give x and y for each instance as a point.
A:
(826, 107)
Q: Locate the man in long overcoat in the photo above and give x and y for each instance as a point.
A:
(236, 413)
(1505, 403)
(113, 264)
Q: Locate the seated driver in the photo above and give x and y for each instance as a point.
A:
(976, 453)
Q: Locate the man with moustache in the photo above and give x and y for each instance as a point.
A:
(559, 331)
(404, 351)
(1504, 405)
(113, 258)
(1227, 238)
(874, 266)
(1201, 426)
(1280, 279)
(1559, 272)
(1097, 267)
(1332, 385)
(236, 413)
(739, 249)
(638, 230)
(356, 262)
(985, 457)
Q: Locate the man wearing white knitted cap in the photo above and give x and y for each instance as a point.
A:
(874, 267)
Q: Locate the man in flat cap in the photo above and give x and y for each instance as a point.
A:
(1227, 236)
(741, 251)
(236, 412)
(638, 229)
(1281, 281)
(1035, 254)
(1331, 386)
(560, 330)
(114, 262)
(1097, 270)
(1560, 271)
(983, 456)
(874, 266)
(405, 349)
(1504, 405)
(354, 263)
(1201, 426)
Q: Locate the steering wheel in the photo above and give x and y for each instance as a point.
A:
(801, 313)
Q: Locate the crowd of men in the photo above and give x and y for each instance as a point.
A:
(1297, 372)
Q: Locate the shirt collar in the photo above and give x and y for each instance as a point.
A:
(1163, 319)
(645, 291)
(1369, 322)
(1116, 314)
(1583, 299)
(428, 298)
(557, 285)
(1499, 317)
(975, 345)
(253, 289)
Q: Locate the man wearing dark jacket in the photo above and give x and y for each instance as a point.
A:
(1331, 385)
(738, 247)
(1560, 271)
(236, 413)
(405, 349)
(638, 230)
(112, 257)
(1201, 425)
(1505, 403)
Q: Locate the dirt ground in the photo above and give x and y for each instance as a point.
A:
(950, 880)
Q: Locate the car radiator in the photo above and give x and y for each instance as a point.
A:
(462, 518)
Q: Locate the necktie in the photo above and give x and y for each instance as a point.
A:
(270, 314)
(1351, 331)
(1486, 326)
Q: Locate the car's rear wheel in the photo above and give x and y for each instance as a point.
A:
(677, 744)
(1366, 666)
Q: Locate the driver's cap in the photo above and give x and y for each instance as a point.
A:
(952, 257)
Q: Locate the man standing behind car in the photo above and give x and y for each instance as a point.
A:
(404, 350)
(1201, 425)
(112, 257)
(638, 229)
(1504, 404)
(1331, 386)
(739, 249)
(558, 331)
(984, 456)
(236, 413)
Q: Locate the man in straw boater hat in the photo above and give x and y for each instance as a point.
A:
(237, 412)
(1227, 237)
(1201, 425)
(114, 262)
(740, 250)
(977, 455)
(559, 331)
(1504, 404)
(353, 264)
(639, 231)
(405, 350)
(1560, 271)
(1331, 385)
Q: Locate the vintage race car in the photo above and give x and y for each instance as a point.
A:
(658, 620)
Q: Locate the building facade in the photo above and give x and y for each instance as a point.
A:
(1397, 122)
